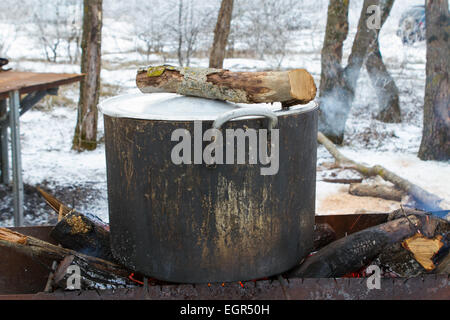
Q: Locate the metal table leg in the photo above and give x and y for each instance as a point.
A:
(14, 114)
(4, 157)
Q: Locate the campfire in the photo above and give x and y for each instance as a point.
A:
(410, 243)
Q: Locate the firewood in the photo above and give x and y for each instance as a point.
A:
(54, 203)
(375, 190)
(323, 235)
(355, 251)
(426, 199)
(289, 87)
(84, 233)
(399, 262)
(424, 249)
(95, 272)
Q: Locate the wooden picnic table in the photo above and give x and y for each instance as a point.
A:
(34, 86)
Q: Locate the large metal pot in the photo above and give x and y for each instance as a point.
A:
(198, 223)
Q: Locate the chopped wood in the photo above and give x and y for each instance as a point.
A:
(323, 235)
(84, 233)
(352, 253)
(95, 272)
(11, 236)
(54, 203)
(290, 87)
(376, 190)
(428, 200)
(399, 262)
(424, 249)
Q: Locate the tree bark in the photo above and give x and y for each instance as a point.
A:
(338, 89)
(221, 35)
(85, 137)
(435, 143)
(385, 87)
(241, 87)
(332, 82)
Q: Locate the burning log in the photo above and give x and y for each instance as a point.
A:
(425, 255)
(427, 200)
(289, 87)
(375, 190)
(424, 249)
(94, 272)
(352, 253)
(323, 235)
(84, 233)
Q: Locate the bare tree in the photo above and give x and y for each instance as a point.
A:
(436, 120)
(338, 84)
(149, 23)
(189, 22)
(265, 26)
(221, 35)
(332, 81)
(58, 26)
(385, 87)
(85, 137)
(9, 30)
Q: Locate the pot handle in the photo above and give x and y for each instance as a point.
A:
(243, 112)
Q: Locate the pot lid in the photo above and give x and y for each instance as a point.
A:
(174, 107)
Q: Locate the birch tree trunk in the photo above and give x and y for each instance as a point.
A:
(85, 137)
(221, 35)
(436, 119)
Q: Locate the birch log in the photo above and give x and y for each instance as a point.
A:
(289, 87)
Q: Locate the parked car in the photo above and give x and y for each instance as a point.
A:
(411, 27)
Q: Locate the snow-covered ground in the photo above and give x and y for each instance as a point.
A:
(46, 131)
